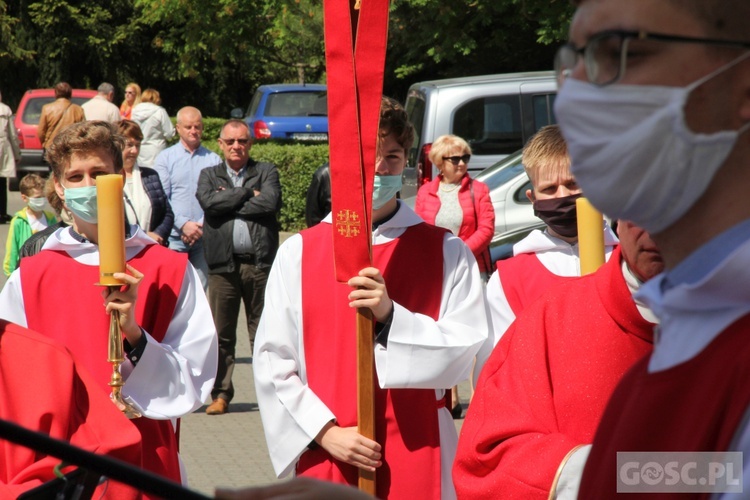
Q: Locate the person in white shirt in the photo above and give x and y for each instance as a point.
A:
(100, 107)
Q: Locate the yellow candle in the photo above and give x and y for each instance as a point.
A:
(111, 227)
(590, 236)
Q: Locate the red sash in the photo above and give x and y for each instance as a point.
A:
(524, 279)
(355, 42)
(697, 405)
(80, 322)
(406, 419)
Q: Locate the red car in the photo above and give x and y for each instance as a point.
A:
(26, 122)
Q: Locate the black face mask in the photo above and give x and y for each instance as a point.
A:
(559, 214)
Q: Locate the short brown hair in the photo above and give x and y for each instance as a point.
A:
(130, 130)
(62, 89)
(151, 95)
(546, 149)
(82, 138)
(29, 183)
(394, 120)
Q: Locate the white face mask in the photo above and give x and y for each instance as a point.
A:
(36, 204)
(632, 152)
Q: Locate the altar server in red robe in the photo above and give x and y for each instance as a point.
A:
(43, 389)
(543, 258)
(543, 390)
(656, 115)
(168, 334)
(425, 292)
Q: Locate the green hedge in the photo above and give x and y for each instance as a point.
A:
(296, 163)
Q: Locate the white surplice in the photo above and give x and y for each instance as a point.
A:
(173, 377)
(422, 353)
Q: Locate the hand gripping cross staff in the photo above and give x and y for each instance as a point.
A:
(355, 39)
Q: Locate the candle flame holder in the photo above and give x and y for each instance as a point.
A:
(116, 357)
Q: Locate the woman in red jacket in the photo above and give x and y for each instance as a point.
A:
(457, 202)
(460, 204)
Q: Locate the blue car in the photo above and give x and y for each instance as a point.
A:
(288, 111)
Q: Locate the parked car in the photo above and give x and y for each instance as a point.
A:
(495, 114)
(26, 121)
(287, 111)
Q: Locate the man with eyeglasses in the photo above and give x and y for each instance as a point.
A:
(240, 198)
(655, 107)
(543, 258)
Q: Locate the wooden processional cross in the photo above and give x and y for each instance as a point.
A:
(356, 35)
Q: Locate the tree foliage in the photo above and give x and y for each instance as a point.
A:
(214, 54)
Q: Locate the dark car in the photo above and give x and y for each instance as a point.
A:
(26, 121)
(288, 111)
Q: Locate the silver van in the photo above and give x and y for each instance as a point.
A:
(496, 114)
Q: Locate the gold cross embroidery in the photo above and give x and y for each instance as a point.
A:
(348, 223)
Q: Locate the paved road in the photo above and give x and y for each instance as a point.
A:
(225, 450)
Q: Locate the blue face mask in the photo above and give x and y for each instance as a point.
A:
(385, 188)
(82, 202)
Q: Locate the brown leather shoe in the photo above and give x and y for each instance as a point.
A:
(218, 407)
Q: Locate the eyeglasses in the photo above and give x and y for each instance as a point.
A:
(230, 142)
(129, 144)
(605, 55)
(457, 159)
(129, 92)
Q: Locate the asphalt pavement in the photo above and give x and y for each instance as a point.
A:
(222, 450)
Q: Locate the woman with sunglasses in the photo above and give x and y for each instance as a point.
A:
(456, 202)
(132, 97)
(146, 203)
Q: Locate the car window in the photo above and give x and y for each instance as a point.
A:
(80, 100)
(491, 125)
(33, 110)
(520, 195)
(543, 110)
(254, 103)
(503, 175)
(296, 104)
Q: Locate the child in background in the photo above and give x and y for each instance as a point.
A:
(27, 221)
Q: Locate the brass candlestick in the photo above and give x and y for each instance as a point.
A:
(116, 357)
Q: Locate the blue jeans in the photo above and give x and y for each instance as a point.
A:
(195, 255)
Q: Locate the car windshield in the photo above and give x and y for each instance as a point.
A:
(33, 110)
(297, 104)
(500, 173)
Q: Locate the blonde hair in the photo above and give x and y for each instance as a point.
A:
(137, 89)
(445, 143)
(151, 95)
(546, 150)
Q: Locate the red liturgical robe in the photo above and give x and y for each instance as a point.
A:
(524, 279)
(406, 419)
(82, 324)
(544, 389)
(43, 390)
(697, 405)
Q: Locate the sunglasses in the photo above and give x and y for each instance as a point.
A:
(457, 159)
(129, 92)
(230, 142)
